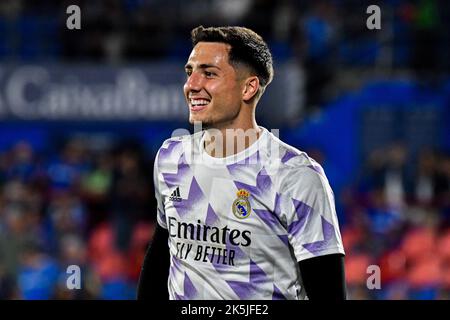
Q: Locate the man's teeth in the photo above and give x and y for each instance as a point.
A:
(199, 102)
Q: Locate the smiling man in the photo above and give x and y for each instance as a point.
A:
(241, 215)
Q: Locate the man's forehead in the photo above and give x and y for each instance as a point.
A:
(209, 53)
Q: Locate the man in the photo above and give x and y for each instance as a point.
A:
(241, 215)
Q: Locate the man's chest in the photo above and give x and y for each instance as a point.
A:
(221, 197)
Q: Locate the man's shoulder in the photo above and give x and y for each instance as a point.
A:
(174, 147)
(294, 162)
(180, 140)
(289, 156)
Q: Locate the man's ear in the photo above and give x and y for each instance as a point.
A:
(251, 88)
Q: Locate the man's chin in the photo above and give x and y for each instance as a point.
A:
(196, 120)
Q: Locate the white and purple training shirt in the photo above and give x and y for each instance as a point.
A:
(238, 225)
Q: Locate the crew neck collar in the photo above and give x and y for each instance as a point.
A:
(253, 148)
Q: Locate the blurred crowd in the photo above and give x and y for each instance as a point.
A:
(398, 219)
(75, 206)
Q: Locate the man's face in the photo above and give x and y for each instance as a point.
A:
(212, 89)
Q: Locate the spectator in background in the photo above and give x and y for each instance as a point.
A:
(73, 252)
(259, 16)
(38, 273)
(320, 29)
(3, 168)
(386, 222)
(65, 215)
(95, 187)
(109, 263)
(442, 187)
(8, 288)
(65, 172)
(15, 229)
(395, 176)
(424, 184)
(11, 8)
(23, 163)
(426, 42)
(385, 170)
(129, 193)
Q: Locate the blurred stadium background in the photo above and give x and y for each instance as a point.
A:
(83, 112)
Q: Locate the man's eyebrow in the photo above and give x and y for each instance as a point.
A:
(202, 66)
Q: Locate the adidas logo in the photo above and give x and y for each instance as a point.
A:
(175, 196)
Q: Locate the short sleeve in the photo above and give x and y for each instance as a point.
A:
(312, 224)
(161, 214)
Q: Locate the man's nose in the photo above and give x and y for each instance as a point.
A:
(194, 82)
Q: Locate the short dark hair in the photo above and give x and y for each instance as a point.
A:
(247, 48)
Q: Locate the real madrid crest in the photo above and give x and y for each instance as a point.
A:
(241, 206)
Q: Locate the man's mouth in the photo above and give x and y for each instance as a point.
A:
(198, 104)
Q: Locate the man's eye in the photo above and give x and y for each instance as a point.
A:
(188, 72)
(209, 74)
